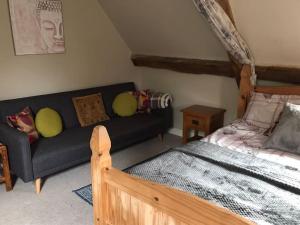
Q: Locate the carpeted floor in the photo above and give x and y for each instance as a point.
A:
(57, 204)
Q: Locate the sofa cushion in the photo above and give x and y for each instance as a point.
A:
(62, 102)
(71, 147)
(125, 131)
(125, 104)
(48, 122)
(90, 109)
(62, 151)
(143, 99)
(24, 122)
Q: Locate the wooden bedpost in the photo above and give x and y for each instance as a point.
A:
(101, 161)
(245, 90)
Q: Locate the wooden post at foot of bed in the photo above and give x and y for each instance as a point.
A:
(122, 199)
(100, 162)
(245, 90)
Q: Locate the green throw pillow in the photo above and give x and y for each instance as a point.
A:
(48, 122)
(125, 104)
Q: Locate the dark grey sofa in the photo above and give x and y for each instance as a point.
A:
(70, 148)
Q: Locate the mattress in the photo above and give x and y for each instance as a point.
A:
(262, 191)
(231, 169)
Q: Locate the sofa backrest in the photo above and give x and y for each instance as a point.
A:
(62, 102)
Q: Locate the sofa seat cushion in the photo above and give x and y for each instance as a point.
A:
(72, 146)
(125, 131)
(69, 148)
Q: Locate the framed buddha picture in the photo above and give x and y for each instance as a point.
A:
(37, 26)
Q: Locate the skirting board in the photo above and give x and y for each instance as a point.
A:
(176, 131)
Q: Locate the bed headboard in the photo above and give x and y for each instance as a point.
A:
(246, 88)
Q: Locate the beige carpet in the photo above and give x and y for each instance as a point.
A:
(57, 205)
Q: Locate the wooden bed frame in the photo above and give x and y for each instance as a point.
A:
(121, 199)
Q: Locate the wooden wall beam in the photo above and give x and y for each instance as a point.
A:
(279, 73)
(215, 67)
(184, 65)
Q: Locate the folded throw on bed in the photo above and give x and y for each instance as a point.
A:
(262, 191)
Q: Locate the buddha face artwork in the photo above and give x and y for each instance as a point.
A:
(49, 16)
(37, 26)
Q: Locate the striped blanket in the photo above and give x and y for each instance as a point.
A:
(262, 191)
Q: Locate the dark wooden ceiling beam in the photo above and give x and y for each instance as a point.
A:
(215, 67)
(194, 66)
(279, 73)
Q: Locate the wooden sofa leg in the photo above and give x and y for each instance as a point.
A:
(38, 183)
(161, 137)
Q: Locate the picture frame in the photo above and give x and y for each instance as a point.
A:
(37, 26)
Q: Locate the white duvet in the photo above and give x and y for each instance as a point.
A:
(242, 137)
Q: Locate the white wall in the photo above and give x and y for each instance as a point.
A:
(271, 28)
(188, 89)
(95, 55)
(175, 28)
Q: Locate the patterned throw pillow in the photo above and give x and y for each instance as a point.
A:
(143, 99)
(90, 109)
(24, 122)
(264, 110)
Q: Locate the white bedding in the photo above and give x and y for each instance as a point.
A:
(242, 137)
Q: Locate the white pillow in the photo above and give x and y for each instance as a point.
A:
(264, 110)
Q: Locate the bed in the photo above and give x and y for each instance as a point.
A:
(148, 193)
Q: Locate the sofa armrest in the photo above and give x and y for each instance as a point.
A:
(167, 115)
(18, 150)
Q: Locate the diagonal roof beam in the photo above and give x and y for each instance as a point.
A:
(236, 66)
(227, 8)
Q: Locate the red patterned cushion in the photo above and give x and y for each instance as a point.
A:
(143, 98)
(24, 122)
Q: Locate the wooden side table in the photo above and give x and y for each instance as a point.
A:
(4, 165)
(201, 118)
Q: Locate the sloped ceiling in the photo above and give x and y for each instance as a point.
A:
(174, 28)
(271, 28)
(164, 27)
